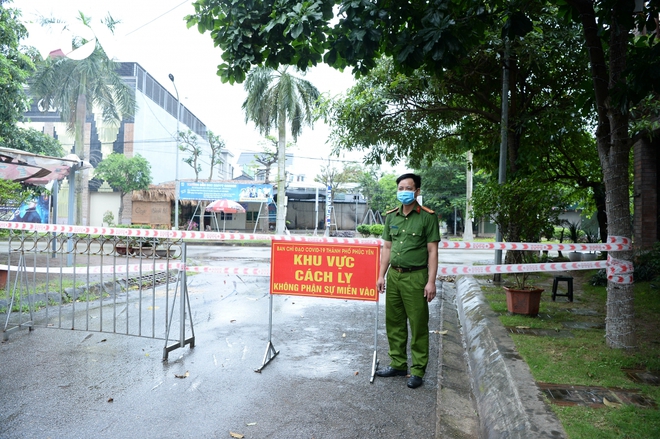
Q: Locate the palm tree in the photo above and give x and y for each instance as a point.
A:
(275, 96)
(74, 87)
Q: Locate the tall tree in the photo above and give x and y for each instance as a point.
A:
(333, 177)
(385, 198)
(189, 143)
(268, 156)
(423, 117)
(275, 97)
(125, 175)
(608, 27)
(216, 145)
(444, 188)
(15, 66)
(74, 87)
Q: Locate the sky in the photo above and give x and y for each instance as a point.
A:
(154, 34)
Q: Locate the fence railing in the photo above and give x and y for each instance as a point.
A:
(99, 283)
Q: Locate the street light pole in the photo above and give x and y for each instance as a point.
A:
(176, 165)
(504, 141)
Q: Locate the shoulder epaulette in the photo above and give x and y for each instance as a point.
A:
(391, 211)
(427, 209)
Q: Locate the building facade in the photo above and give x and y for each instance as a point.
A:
(151, 133)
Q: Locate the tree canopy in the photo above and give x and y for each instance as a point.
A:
(274, 98)
(75, 87)
(288, 32)
(125, 175)
(36, 142)
(216, 145)
(15, 66)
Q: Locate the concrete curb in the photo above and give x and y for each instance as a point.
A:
(456, 407)
(509, 403)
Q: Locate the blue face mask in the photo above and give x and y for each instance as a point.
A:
(406, 197)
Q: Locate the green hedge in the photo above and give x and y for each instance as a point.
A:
(364, 230)
(376, 230)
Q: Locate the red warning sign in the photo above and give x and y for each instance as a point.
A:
(340, 271)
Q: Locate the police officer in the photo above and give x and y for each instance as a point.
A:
(410, 252)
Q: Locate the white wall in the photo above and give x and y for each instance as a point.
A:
(101, 202)
(154, 139)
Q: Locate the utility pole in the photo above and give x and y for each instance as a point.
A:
(504, 133)
(176, 168)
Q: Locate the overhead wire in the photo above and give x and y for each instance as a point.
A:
(160, 16)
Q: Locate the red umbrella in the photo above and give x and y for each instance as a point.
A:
(226, 206)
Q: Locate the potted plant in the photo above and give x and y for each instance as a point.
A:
(591, 236)
(143, 245)
(524, 210)
(522, 298)
(574, 233)
(123, 245)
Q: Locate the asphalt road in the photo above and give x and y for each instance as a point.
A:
(75, 384)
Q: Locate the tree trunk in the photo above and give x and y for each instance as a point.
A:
(613, 150)
(121, 208)
(601, 210)
(280, 223)
(79, 136)
(615, 160)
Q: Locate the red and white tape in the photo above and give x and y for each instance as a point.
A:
(180, 234)
(618, 271)
(518, 268)
(614, 243)
(101, 269)
(242, 271)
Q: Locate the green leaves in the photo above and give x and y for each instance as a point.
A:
(15, 66)
(290, 32)
(264, 33)
(525, 209)
(123, 173)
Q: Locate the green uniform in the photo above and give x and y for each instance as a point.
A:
(404, 300)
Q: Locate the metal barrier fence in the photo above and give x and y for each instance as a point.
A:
(98, 283)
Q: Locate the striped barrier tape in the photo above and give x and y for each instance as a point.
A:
(179, 234)
(614, 243)
(101, 269)
(518, 268)
(147, 267)
(242, 271)
(618, 271)
(533, 246)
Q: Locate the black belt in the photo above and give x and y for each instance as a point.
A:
(407, 270)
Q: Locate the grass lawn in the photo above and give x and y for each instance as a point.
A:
(585, 359)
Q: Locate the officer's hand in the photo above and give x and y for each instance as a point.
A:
(380, 285)
(429, 291)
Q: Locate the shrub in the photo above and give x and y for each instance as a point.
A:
(376, 230)
(647, 264)
(574, 231)
(364, 230)
(599, 279)
(109, 218)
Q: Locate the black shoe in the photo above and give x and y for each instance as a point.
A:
(414, 381)
(391, 372)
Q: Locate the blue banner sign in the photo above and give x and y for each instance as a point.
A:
(241, 192)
